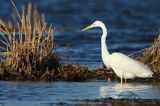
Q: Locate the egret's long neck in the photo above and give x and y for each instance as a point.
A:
(104, 49)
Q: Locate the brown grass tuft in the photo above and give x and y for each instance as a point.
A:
(72, 72)
(151, 56)
(31, 50)
(104, 73)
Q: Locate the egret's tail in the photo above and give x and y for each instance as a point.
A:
(147, 74)
(145, 71)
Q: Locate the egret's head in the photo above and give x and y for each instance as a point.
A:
(95, 24)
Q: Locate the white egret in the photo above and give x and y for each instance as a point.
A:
(123, 66)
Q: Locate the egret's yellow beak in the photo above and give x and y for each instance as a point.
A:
(89, 27)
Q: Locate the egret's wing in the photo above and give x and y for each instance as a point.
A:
(127, 64)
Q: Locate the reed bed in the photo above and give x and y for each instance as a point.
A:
(30, 51)
(151, 56)
(104, 73)
(73, 72)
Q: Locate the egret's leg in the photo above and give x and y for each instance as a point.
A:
(125, 80)
(121, 78)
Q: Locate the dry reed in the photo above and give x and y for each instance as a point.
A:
(8, 24)
(31, 50)
(72, 72)
(151, 56)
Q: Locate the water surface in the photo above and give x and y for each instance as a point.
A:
(13, 93)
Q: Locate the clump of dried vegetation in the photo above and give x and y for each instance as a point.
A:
(151, 56)
(30, 51)
(104, 73)
(72, 72)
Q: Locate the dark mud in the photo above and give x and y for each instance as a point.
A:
(119, 102)
(73, 73)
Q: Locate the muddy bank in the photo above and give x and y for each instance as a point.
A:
(72, 72)
(116, 102)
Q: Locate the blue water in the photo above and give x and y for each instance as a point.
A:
(13, 94)
(132, 26)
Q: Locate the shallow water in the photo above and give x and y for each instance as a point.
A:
(13, 93)
(132, 26)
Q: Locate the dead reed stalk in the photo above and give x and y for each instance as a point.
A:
(31, 50)
(151, 56)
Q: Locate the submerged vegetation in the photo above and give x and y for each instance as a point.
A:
(29, 50)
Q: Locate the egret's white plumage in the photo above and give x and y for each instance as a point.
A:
(124, 66)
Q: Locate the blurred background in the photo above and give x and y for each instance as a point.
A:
(132, 25)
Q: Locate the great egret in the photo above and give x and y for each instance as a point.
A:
(124, 66)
